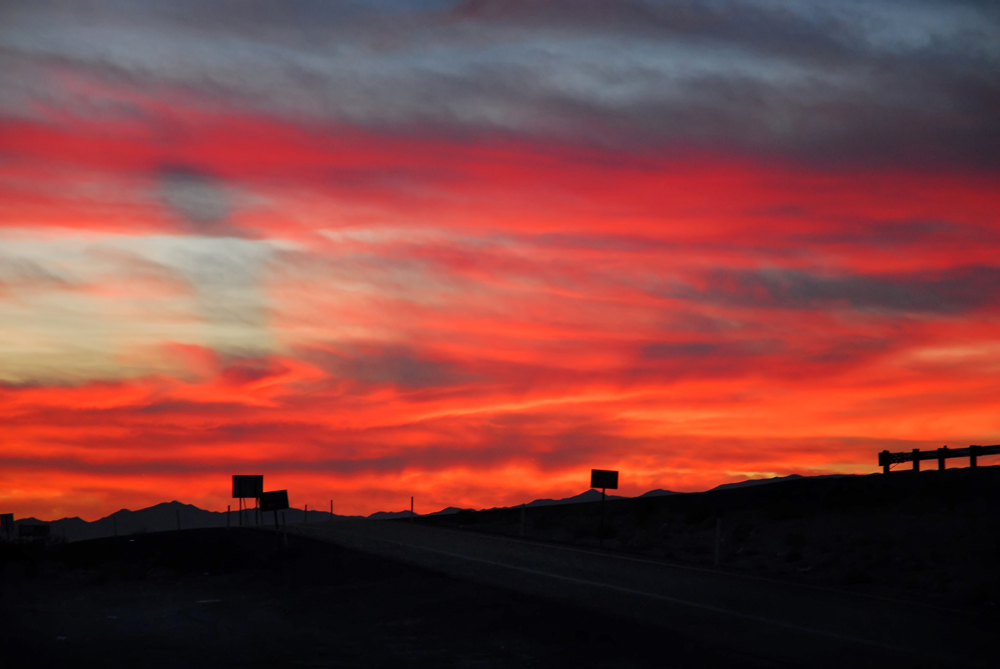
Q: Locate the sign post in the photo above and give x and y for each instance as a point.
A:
(275, 500)
(603, 479)
(248, 487)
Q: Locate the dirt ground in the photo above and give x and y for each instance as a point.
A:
(212, 598)
(932, 537)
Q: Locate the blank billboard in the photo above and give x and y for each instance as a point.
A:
(248, 486)
(604, 478)
(274, 500)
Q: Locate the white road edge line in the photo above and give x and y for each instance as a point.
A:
(703, 570)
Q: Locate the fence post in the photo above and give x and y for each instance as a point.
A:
(916, 459)
(973, 454)
(883, 459)
(942, 456)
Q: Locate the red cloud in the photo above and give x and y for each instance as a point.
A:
(480, 322)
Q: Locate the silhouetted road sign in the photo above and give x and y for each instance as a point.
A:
(248, 486)
(275, 500)
(33, 530)
(603, 478)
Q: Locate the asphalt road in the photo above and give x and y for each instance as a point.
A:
(785, 623)
(218, 598)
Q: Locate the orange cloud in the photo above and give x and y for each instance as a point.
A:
(363, 316)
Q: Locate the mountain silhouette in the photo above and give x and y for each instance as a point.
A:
(449, 510)
(586, 496)
(776, 479)
(164, 517)
(659, 492)
(161, 517)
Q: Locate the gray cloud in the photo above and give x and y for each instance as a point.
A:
(831, 81)
(21, 274)
(394, 365)
(225, 275)
(200, 202)
(899, 234)
(718, 351)
(951, 291)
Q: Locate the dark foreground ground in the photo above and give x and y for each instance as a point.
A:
(931, 537)
(217, 598)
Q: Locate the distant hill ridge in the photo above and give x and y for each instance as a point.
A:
(166, 515)
(159, 518)
(776, 479)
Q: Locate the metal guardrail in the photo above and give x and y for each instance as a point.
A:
(887, 459)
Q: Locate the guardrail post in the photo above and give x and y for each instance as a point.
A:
(974, 451)
(883, 459)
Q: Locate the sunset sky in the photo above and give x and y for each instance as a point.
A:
(467, 251)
